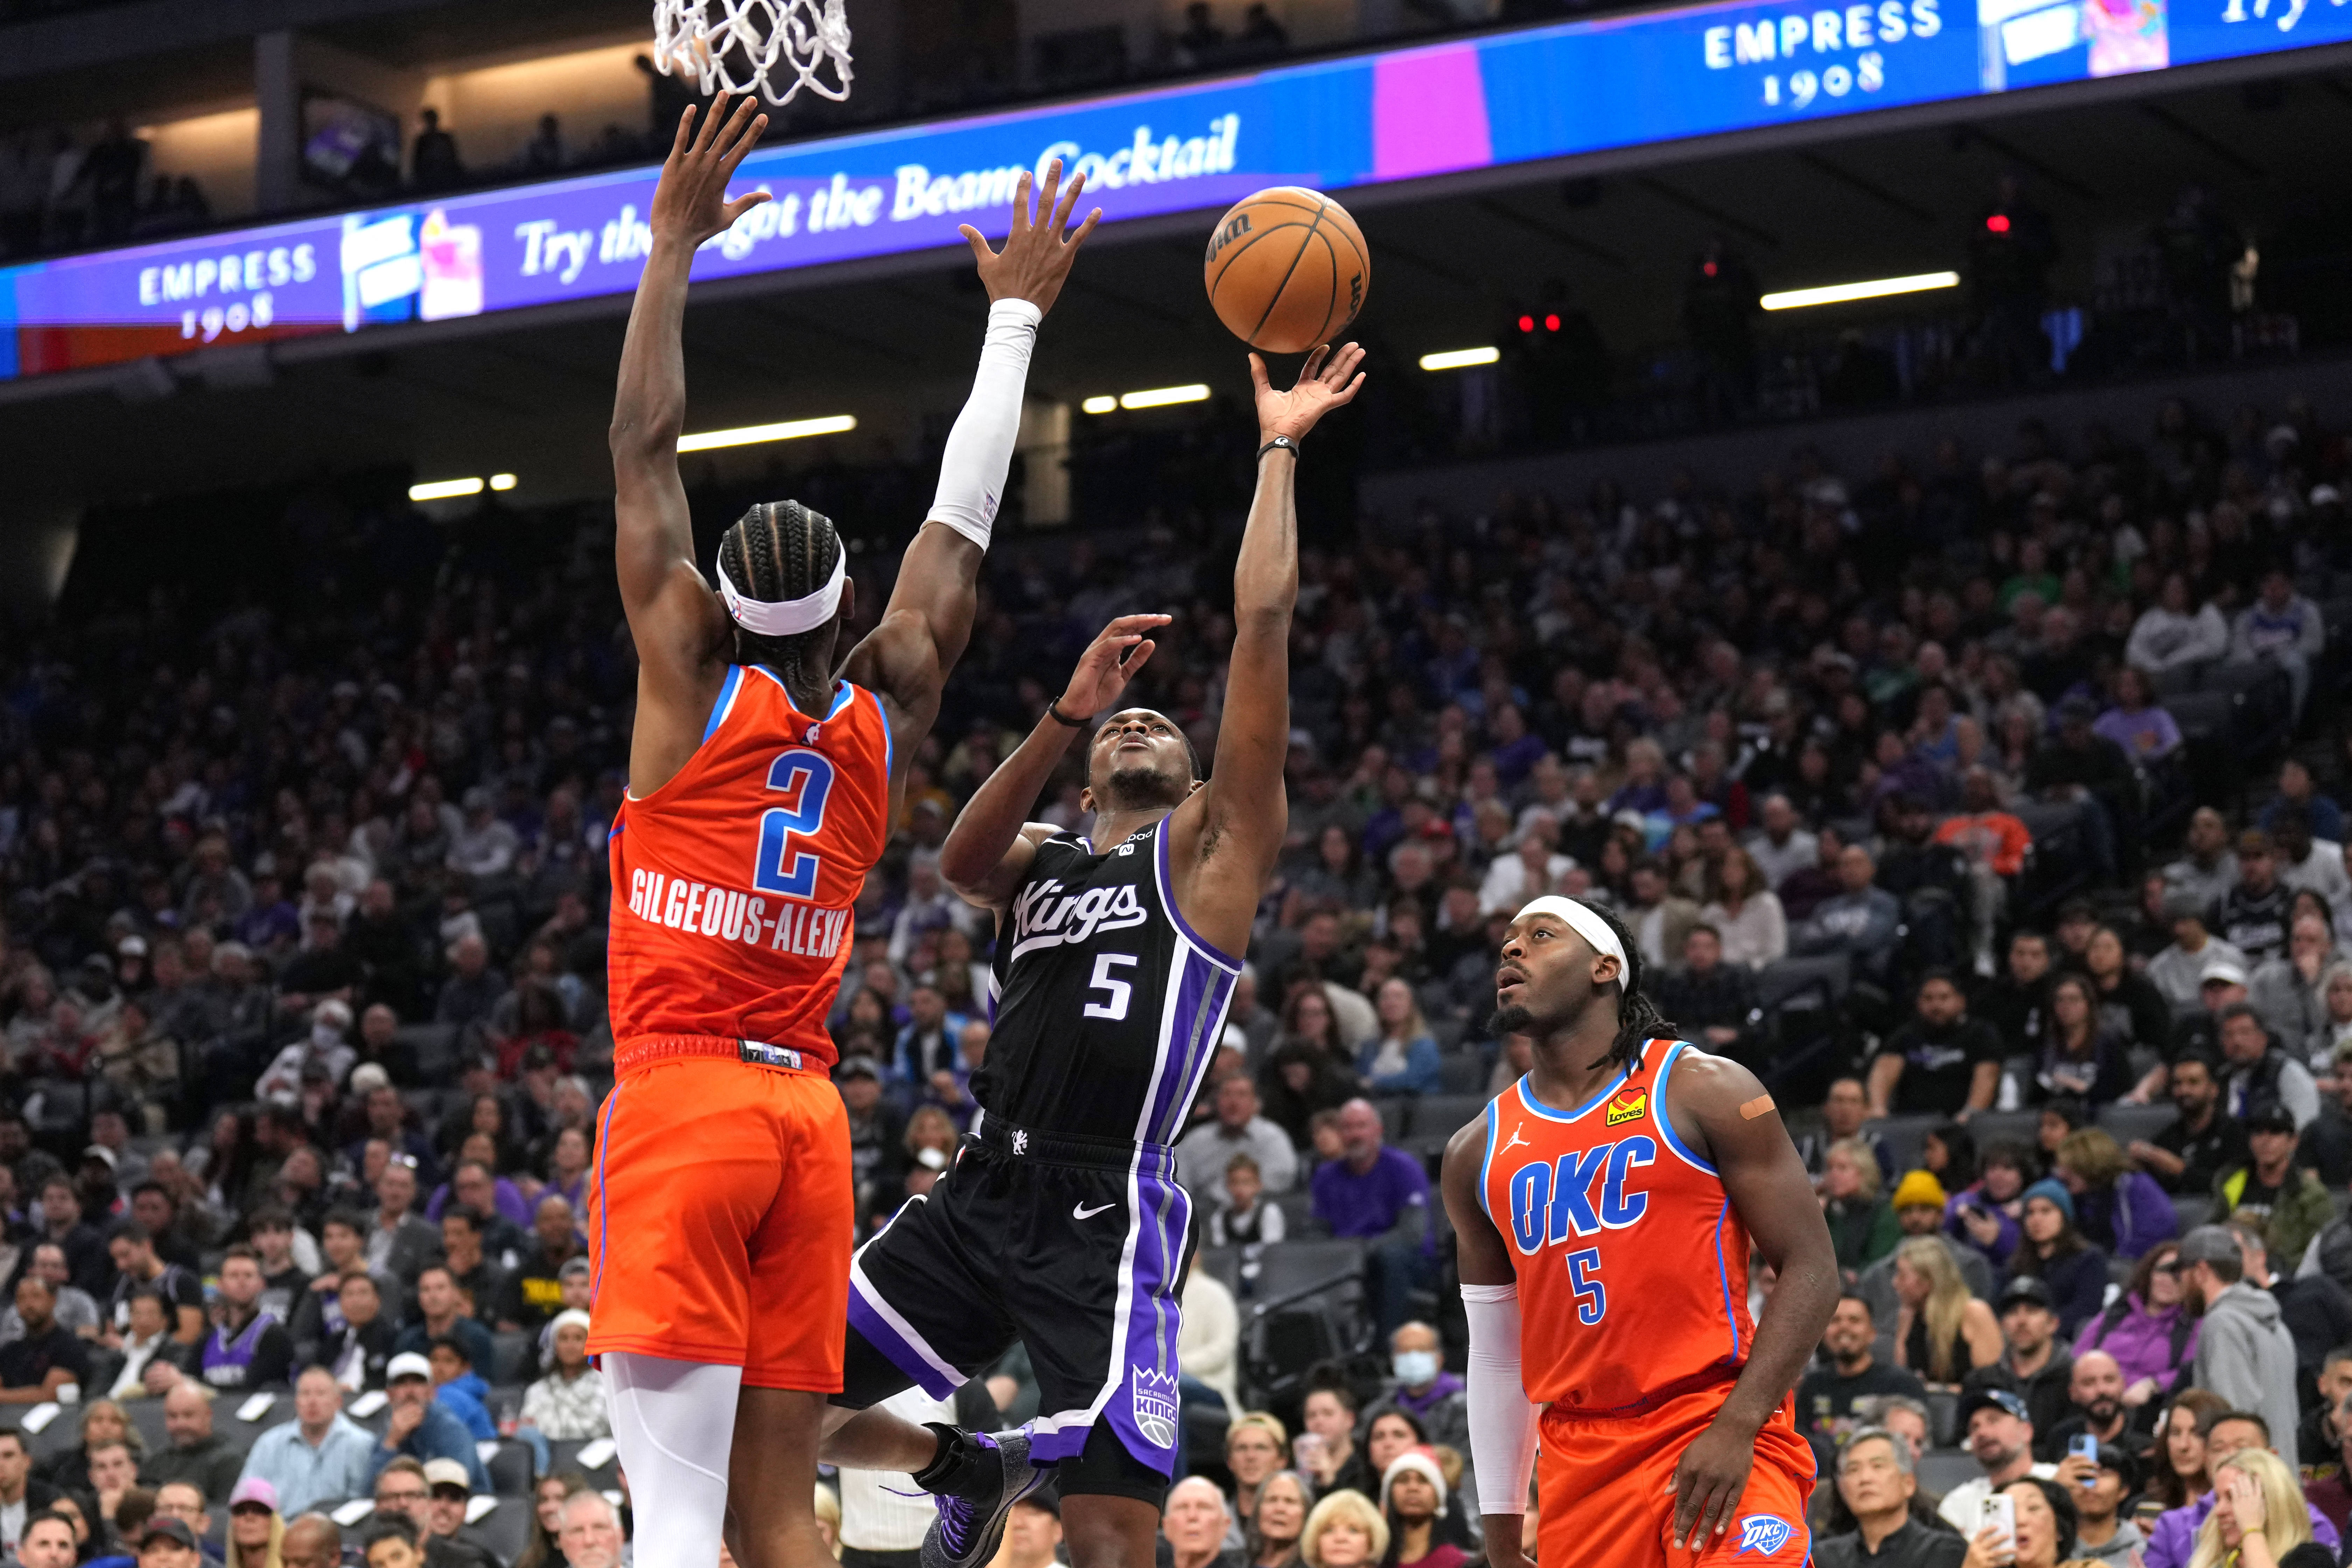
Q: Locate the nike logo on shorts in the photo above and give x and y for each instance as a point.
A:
(1082, 1212)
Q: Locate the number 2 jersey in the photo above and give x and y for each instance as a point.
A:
(1632, 1264)
(1107, 1007)
(733, 883)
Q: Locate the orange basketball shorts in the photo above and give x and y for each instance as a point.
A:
(1600, 1485)
(720, 1216)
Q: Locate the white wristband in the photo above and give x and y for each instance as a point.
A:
(1502, 1418)
(980, 449)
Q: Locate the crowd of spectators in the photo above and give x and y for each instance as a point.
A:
(302, 978)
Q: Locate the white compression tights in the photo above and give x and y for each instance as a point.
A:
(673, 1422)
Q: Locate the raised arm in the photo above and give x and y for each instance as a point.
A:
(1741, 1132)
(989, 850)
(906, 659)
(675, 619)
(1502, 1418)
(1228, 833)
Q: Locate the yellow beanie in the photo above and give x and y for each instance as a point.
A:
(1919, 1189)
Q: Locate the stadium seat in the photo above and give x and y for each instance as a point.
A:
(516, 1352)
(506, 1529)
(1904, 1137)
(2194, 1209)
(429, 1050)
(1297, 1208)
(1223, 1264)
(1941, 1469)
(565, 1456)
(1298, 1266)
(1463, 1070)
(2130, 1123)
(2005, 1126)
(1801, 982)
(2204, 715)
(1440, 1116)
(509, 1470)
(1943, 1415)
(1395, 1111)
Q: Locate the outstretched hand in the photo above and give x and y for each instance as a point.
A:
(1326, 381)
(1035, 258)
(690, 202)
(1109, 664)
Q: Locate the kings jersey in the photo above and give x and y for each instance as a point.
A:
(1631, 1263)
(733, 883)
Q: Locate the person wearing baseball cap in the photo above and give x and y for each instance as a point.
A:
(2244, 1352)
(447, 1544)
(168, 1542)
(420, 1426)
(1998, 1431)
(2275, 1185)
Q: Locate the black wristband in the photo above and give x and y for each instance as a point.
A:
(1279, 444)
(1054, 712)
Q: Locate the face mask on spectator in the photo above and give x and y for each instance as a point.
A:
(1414, 1368)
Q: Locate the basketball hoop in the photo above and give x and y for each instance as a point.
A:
(750, 44)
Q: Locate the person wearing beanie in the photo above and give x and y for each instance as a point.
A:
(2052, 1251)
(1920, 1203)
(1412, 1499)
(568, 1403)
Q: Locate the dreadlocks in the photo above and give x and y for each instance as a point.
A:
(778, 550)
(1638, 1018)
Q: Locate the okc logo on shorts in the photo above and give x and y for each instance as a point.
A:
(1763, 1532)
(1155, 1407)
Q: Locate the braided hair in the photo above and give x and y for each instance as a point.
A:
(1638, 1018)
(776, 551)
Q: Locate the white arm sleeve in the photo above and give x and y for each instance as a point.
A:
(980, 449)
(1502, 1418)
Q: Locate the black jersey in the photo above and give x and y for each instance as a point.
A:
(1107, 1007)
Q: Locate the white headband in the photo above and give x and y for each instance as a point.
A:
(786, 617)
(1584, 923)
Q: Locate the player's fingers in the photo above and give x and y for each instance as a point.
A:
(1084, 229)
(1068, 204)
(744, 141)
(1315, 357)
(1257, 374)
(1340, 399)
(742, 205)
(683, 142)
(712, 122)
(978, 241)
(1139, 658)
(1051, 193)
(1021, 201)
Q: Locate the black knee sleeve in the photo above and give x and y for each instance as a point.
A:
(1105, 1469)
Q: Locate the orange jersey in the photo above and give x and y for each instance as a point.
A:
(1633, 1265)
(734, 881)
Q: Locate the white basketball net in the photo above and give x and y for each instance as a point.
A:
(749, 44)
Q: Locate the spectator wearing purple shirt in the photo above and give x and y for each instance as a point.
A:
(1381, 1195)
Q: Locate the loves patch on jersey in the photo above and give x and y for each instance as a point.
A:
(1628, 1107)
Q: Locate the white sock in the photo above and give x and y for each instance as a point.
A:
(673, 1422)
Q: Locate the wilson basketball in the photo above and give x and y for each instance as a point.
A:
(1288, 270)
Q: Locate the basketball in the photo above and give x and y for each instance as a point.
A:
(1287, 269)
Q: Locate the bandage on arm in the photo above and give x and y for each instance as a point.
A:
(1502, 1418)
(980, 449)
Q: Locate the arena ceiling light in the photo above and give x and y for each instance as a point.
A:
(1103, 404)
(1161, 396)
(1871, 288)
(447, 490)
(751, 435)
(502, 481)
(1461, 359)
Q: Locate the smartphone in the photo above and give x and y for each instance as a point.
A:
(1306, 1448)
(2086, 1446)
(2000, 1512)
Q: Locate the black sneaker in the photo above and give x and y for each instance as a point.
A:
(972, 1524)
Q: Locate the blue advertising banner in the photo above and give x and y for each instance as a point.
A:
(1543, 92)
